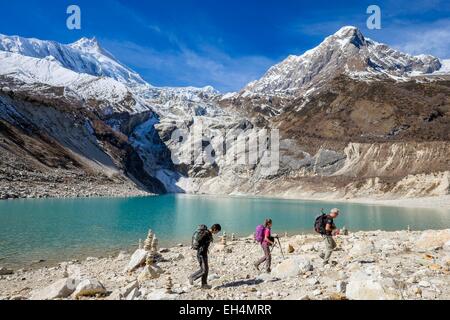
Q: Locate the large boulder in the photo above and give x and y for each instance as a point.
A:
(292, 267)
(433, 239)
(362, 286)
(137, 260)
(89, 288)
(362, 248)
(58, 290)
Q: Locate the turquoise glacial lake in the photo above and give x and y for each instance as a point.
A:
(57, 230)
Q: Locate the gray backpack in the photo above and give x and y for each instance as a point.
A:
(199, 234)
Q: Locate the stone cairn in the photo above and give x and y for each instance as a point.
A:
(223, 242)
(65, 272)
(233, 237)
(155, 246)
(140, 244)
(152, 270)
(149, 241)
(344, 231)
(224, 239)
(169, 285)
(151, 246)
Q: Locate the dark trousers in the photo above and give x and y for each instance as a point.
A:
(267, 257)
(202, 257)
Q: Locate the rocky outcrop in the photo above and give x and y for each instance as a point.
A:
(59, 149)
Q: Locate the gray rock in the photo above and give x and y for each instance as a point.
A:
(89, 288)
(137, 260)
(362, 248)
(60, 289)
(363, 286)
(292, 267)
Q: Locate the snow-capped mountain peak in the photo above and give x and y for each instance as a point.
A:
(86, 70)
(352, 34)
(87, 45)
(348, 52)
(84, 56)
(92, 46)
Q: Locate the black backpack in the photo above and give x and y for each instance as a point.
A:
(198, 236)
(320, 224)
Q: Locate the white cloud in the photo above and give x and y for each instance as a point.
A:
(431, 39)
(184, 66)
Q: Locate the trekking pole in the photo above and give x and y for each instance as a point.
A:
(281, 248)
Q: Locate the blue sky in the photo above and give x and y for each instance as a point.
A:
(224, 43)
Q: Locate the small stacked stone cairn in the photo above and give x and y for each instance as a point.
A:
(140, 244)
(149, 241)
(149, 261)
(155, 244)
(169, 285)
(151, 270)
(224, 239)
(233, 237)
(344, 231)
(65, 272)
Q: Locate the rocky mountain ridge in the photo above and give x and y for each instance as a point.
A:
(349, 93)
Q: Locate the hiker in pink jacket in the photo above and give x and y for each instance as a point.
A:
(264, 236)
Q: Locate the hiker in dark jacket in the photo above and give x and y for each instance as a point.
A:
(330, 244)
(205, 239)
(266, 244)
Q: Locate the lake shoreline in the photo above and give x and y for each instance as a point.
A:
(362, 257)
(435, 202)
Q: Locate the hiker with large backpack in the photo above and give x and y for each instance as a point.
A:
(325, 226)
(263, 235)
(201, 240)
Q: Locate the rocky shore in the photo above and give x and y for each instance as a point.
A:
(63, 184)
(366, 265)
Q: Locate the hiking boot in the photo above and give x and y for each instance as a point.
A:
(256, 266)
(191, 281)
(206, 287)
